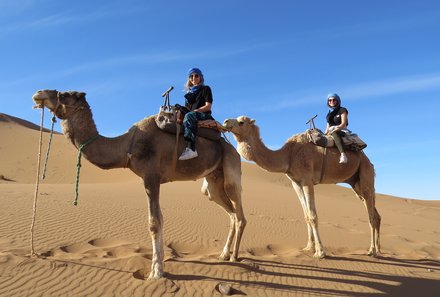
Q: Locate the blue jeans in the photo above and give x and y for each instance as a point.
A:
(190, 126)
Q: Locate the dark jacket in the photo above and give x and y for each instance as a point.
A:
(334, 117)
(198, 98)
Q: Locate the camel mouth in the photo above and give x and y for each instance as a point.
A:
(41, 99)
(228, 125)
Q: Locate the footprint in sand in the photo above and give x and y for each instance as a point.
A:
(100, 249)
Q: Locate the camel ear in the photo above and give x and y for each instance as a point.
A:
(61, 95)
(80, 95)
(252, 121)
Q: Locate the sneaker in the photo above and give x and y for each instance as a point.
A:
(188, 154)
(343, 159)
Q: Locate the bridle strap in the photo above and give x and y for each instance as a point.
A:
(64, 106)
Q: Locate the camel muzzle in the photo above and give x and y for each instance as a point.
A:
(38, 100)
(42, 99)
(227, 125)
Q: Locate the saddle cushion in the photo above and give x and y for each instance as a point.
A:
(350, 141)
(209, 129)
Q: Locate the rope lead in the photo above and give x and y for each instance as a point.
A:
(54, 120)
(78, 165)
(37, 183)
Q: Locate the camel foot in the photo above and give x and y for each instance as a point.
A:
(308, 248)
(233, 259)
(224, 256)
(319, 255)
(372, 252)
(155, 275)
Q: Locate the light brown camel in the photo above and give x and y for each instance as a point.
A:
(149, 153)
(305, 165)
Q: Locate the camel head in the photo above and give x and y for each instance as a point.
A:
(61, 104)
(240, 126)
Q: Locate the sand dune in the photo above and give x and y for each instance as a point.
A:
(102, 246)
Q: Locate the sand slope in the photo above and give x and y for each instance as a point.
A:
(102, 246)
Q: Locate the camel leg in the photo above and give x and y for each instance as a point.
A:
(300, 193)
(377, 224)
(228, 196)
(232, 189)
(368, 197)
(312, 218)
(233, 192)
(155, 222)
(213, 188)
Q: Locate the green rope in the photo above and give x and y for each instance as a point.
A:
(54, 120)
(78, 165)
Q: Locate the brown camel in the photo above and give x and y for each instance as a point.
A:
(149, 152)
(306, 165)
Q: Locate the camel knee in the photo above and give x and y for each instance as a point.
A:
(375, 219)
(311, 219)
(378, 218)
(241, 223)
(154, 226)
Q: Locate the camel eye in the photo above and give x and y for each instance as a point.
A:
(240, 123)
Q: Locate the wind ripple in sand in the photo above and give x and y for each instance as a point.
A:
(101, 267)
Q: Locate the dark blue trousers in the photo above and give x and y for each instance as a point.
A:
(190, 126)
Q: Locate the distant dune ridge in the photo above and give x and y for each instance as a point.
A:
(14, 120)
(102, 247)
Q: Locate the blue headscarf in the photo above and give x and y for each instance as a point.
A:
(199, 72)
(338, 100)
(195, 70)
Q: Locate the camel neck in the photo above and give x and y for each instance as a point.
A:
(104, 152)
(253, 149)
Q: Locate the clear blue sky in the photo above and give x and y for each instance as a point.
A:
(274, 61)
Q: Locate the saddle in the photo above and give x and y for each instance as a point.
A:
(350, 141)
(169, 119)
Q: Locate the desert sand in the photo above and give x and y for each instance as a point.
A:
(102, 247)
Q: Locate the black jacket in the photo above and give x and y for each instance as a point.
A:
(334, 117)
(198, 98)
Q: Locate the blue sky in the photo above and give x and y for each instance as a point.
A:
(274, 61)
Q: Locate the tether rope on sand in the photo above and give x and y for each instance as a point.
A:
(37, 183)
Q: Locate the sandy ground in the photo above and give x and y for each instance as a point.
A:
(100, 247)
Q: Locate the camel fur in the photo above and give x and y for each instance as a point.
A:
(150, 153)
(306, 165)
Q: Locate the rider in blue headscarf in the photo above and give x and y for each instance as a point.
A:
(198, 100)
(337, 122)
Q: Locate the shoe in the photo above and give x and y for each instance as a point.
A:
(188, 154)
(343, 159)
